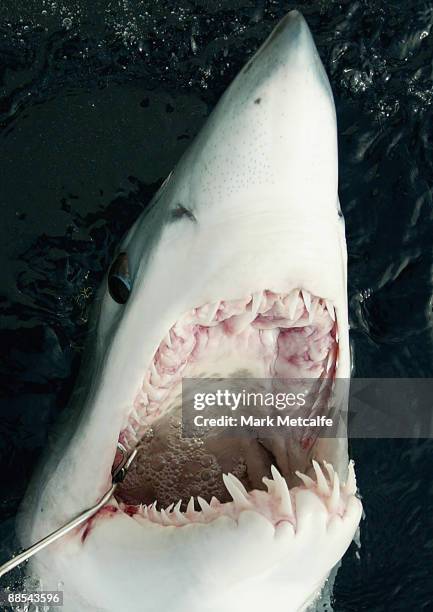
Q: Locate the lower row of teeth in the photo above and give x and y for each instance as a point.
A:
(276, 504)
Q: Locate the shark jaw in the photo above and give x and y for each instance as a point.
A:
(269, 335)
(280, 530)
(238, 264)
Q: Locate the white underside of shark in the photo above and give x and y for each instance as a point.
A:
(238, 264)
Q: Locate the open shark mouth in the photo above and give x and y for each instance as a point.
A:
(266, 335)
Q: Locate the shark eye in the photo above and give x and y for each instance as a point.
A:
(119, 282)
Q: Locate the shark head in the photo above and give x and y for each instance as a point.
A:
(237, 268)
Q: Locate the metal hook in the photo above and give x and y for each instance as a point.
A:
(118, 472)
(117, 477)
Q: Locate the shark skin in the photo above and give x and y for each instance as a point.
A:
(251, 209)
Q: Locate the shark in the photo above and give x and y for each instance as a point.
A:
(237, 268)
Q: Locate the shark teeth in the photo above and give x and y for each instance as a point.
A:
(238, 323)
(180, 518)
(276, 504)
(238, 493)
(143, 398)
(282, 491)
(256, 302)
(134, 415)
(330, 470)
(190, 507)
(153, 513)
(322, 485)
(154, 394)
(330, 489)
(207, 313)
(307, 299)
(131, 433)
(308, 482)
(334, 499)
(312, 311)
(239, 484)
(330, 309)
(350, 486)
(165, 519)
(205, 508)
(269, 484)
(292, 303)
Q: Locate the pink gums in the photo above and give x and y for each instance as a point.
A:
(294, 335)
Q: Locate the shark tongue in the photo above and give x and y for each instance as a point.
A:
(168, 467)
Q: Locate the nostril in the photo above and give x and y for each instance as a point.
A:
(119, 282)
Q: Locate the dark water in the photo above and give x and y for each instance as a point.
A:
(98, 101)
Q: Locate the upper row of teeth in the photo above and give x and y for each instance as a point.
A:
(329, 489)
(260, 303)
